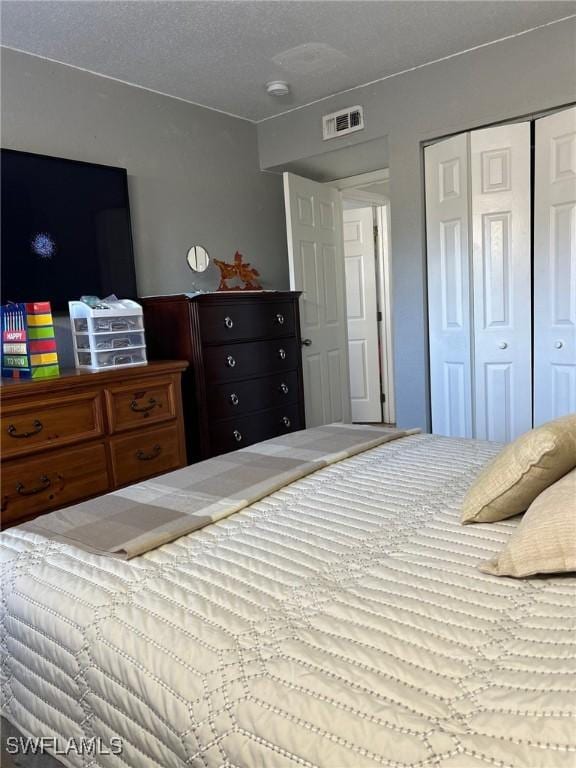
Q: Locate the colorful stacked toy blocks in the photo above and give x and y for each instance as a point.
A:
(28, 342)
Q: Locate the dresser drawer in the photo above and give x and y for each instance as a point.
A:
(238, 433)
(239, 397)
(50, 422)
(246, 320)
(231, 362)
(145, 453)
(38, 484)
(146, 403)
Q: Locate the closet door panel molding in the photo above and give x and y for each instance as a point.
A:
(446, 168)
(500, 187)
(555, 266)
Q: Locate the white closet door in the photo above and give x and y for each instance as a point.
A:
(500, 172)
(446, 166)
(555, 267)
(362, 310)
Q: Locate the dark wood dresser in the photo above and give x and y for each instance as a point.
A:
(244, 383)
(82, 434)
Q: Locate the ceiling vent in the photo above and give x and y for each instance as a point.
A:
(343, 122)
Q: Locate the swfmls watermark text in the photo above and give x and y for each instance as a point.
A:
(40, 745)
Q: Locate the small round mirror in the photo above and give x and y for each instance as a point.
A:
(198, 258)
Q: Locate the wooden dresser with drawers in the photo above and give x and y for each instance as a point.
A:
(82, 434)
(244, 383)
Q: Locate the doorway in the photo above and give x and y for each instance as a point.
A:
(366, 229)
(315, 219)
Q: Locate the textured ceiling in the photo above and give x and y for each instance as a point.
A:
(220, 54)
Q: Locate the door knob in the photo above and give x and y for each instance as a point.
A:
(559, 344)
(306, 342)
(503, 345)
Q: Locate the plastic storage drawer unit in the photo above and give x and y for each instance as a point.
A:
(111, 337)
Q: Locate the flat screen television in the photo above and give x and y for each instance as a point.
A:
(65, 230)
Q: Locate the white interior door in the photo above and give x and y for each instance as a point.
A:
(362, 312)
(555, 267)
(316, 261)
(501, 218)
(446, 168)
(385, 304)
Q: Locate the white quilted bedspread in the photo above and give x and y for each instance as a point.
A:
(341, 622)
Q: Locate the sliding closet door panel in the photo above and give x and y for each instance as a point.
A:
(555, 267)
(502, 304)
(446, 166)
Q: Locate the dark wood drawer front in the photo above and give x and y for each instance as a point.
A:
(232, 362)
(38, 484)
(146, 403)
(144, 454)
(240, 397)
(232, 434)
(53, 422)
(246, 320)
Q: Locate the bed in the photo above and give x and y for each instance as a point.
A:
(340, 622)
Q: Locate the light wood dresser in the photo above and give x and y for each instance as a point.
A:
(244, 383)
(82, 434)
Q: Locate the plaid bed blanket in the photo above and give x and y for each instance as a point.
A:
(142, 517)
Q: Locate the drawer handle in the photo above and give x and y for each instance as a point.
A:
(154, 453)
(286, 421)
(280, 318)
(152, 403)
(237, 436)
(282, 354)
(228, 322)
(45, 483)
(37, 427)
(234, 399)
(230, 362)
(119, 325)
(284, 388)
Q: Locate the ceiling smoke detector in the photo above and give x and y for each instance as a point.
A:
(277, 88)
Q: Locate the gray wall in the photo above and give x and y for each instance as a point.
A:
(194, 174)
(527, 74)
